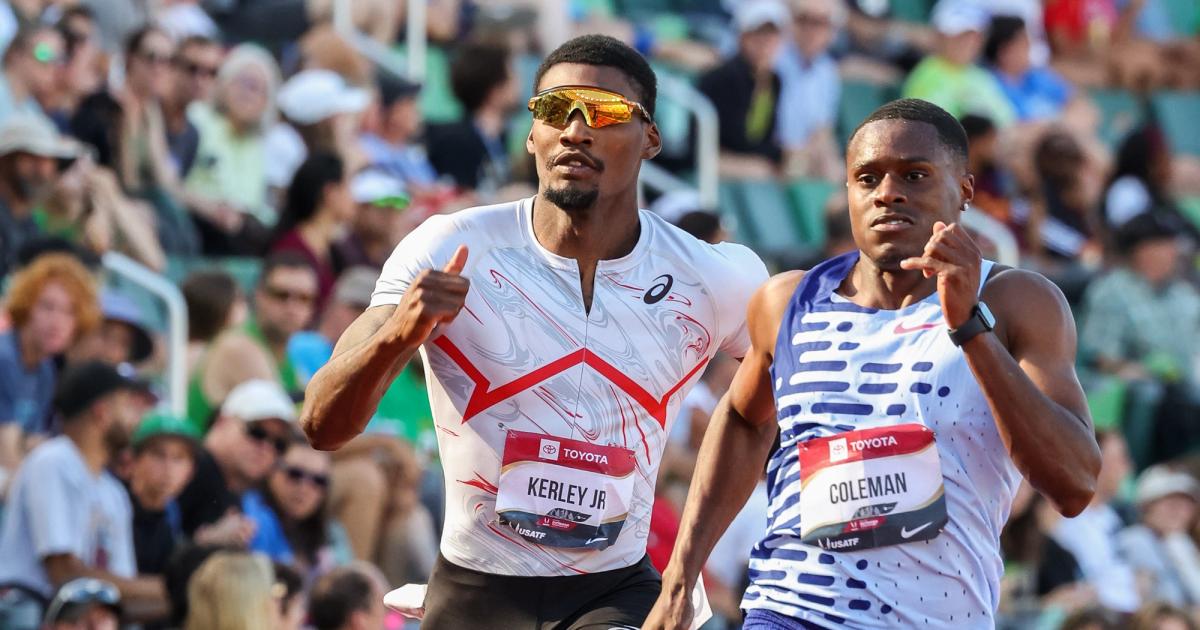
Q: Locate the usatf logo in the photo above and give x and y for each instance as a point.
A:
(838, 450)
(549, 450)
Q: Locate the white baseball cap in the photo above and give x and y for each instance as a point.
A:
(1157, 482)
(259, 399)
(30, 133)
(955, 17)
(377, 187)
(314, 95)
(751, 15)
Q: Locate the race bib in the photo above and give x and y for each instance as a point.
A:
(871, 488)
(564, 493)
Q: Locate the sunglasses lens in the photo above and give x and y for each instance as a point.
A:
(600, 109)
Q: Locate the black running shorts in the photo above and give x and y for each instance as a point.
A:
(462, 599)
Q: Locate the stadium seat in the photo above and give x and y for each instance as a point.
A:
(1178, 112)
(1184, 14)
(437, 99)
(912, 10)
(858, 100)
(1120, 113)
(808, 197)
(765, 217)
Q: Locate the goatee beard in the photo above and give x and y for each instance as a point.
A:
(572, 199)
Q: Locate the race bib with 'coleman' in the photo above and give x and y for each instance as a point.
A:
(564, 493)
(871, 488)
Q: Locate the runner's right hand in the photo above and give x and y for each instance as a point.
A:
(433, 298)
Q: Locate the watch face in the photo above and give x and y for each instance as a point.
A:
(986, 314)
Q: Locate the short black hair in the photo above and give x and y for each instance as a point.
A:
(1003, 29)
(602, 50)
(282, 259)
(307, 190)
(701, 224)
(133, 42)
(337, 595)
(1148, 226)
(950, 132)
(976, 125)
(477, 69)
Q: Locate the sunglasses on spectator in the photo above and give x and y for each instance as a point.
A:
(284, 295)
(297, 474)
(600, 108)
(196, 69)
(262, 436)
(151, 57)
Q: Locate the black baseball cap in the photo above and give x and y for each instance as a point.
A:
(393, 88)
(84, 384)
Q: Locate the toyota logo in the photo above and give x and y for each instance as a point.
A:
(549, 449)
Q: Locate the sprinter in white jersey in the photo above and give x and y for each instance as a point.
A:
(911, 384)
(560, 335)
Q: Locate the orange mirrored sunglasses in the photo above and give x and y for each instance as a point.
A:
(600, 108)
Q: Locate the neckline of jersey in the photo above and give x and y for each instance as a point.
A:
(525, 210)
(904, 311)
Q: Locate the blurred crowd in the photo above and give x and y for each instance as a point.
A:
(267, 163)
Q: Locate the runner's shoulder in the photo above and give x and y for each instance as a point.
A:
(1022, 292)
(768, 305)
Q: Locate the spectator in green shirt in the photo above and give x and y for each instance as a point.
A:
(950, 77)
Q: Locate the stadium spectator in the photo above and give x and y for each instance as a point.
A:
(994, 185)
(1040, 575)
(31, 67)
(949, 76)
(83, 72)
(122, 337)
(180, 569)
(233, 591)
(1035, 92)
(164, 458)
(310, 349)
(1067, 221)
(322, 114)
(86, 206)
(195, 66)
(1091, 537)
(473, 150)
(30, 152)
(1162, 616)
(283, 306)
(85, 604)
(746, 90)
(324, 48)
(1141, 322)
(252, 430)
(291, 514)
(214, 304)
(68, 517)
(316, 212)
(349, 598)
(1141, 179)
(384, 216)
(1159, 546)
(704, 225)
(292, 604)
(125, 126)
(227, 188)
(808, 104)
(391, 132)
(51, 303)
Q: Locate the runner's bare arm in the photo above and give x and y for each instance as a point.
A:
(1027, 373)
(342, 395)
(731, 458)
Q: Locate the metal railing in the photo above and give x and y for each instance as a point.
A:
(176, 334)
(1007, 250)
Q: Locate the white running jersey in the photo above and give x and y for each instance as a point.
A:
(840, 367)
(524, 371)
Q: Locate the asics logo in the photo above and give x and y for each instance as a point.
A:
(656, 293)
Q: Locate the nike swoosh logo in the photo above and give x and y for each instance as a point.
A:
(901, 329)
(907, 533)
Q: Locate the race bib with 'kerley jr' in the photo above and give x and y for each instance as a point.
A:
(564, 493)
(871, 488)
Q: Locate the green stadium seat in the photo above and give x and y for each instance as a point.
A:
(808, 197)
(767, 206)
(245, 270)
(729, 206)
(1120, 113)
(438, 103)
(1178, 112)
(1185, 15)
(912, 10)
(858, 100)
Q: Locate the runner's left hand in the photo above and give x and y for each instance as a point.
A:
(955, 259)
(672, 611)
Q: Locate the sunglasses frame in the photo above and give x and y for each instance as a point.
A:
(300, 475)
(577, 102)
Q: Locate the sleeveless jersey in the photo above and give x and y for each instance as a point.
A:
(525, 361)
(841, 367)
